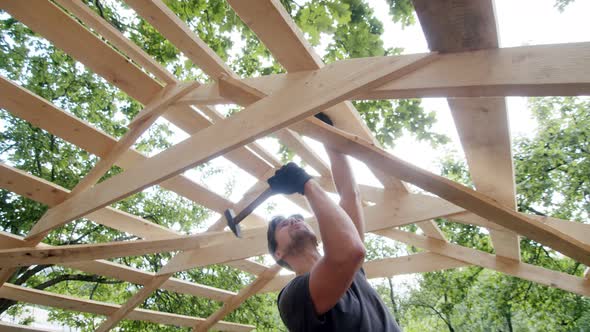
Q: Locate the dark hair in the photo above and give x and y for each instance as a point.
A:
(272, 241)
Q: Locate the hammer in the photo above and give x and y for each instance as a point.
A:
(233, 220)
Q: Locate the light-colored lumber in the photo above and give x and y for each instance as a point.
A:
(43, 298)
(178, 33)
(387, 267)
(125, 273)
(408, 209)
(536, 70)
(83, 252)
(138, 298)
(269, 20)
(526, 271)
(482, 123)
(460, 195)
(28, 106)
(326, 88)
(114, 36)
(57, 26)
(483, 128)
(235, 301)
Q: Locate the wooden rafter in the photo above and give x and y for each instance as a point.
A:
(43, 298)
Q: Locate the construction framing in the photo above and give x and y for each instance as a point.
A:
(465, 65)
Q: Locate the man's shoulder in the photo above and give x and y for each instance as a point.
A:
(294, 287)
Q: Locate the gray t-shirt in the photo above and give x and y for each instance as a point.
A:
(359, 309)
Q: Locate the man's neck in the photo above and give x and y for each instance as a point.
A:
(305, 261)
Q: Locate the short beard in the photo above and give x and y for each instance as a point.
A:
(300, 240)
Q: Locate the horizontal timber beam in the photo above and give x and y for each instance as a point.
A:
(129, 274)
(407, 209)
(387, 267)
(522, 270)
(517, 71)
(43, 298)
(455, 193)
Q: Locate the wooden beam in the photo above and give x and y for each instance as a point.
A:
(387, 267)
(537, 70)
(482, 123)
(83, 252)
(329, 86)
(409, 209)
(237, 300)
(42, 114)
(114, 36)
(455, 193)
(137, 299)
(42, 298)
(530, 272)
(269, 20)
(176, 31)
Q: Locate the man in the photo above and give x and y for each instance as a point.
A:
(330, 292)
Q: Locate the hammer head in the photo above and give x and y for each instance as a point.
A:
(230, 215)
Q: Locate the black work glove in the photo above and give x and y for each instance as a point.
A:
(325, 118)
(289, 179)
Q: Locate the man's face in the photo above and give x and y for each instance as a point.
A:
(293, 235)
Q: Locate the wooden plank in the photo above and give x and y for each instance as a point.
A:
(525, 271)
(408, 209)
(83, 252)
(482, 123)
(327, 87)
(138, 298)
(114, 36)
(237, 300)
(67, 34)
(43, 298)
(458, 25)
(467, 198)
(176, 31)
(42, 114)
(387, 267)
(125, 273)
(51, 194)
(538, 70)
(137, 127)
(269, 20)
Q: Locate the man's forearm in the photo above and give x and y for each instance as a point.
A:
(339, 235)
(347, 188)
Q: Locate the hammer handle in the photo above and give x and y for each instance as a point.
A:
(252, 206)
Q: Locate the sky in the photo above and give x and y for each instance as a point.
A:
(520, 22)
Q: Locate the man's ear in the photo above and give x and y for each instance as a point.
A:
(278, 255)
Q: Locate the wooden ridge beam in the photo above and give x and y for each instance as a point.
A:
(537, 70)
(43, 298)
(387, 267)
(521, 270)
(329, 86)
(482, 124)
(455, 193)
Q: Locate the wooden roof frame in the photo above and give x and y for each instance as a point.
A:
(463, 65)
